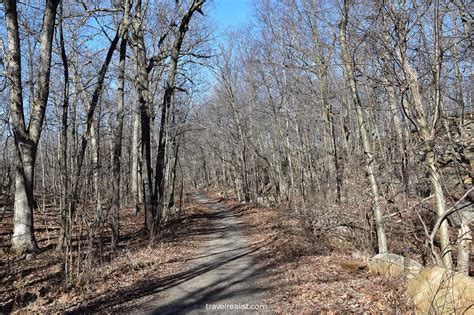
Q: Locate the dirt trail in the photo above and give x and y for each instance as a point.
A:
(223, 274)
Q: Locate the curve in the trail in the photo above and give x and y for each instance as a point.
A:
(222, 278)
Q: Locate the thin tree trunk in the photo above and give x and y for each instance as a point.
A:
(464, 247)
(428, 149)
(169, 90)
(117, 142)
(173, 175)
(136, 154)
(64, 227)
(145, 119)
(90, 115)
(369, 157)
(117, 151)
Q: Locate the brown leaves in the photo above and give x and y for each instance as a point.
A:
(38, 286)
(304, 275)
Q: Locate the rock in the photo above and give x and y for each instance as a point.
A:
(437, 290)
(466, 212)
(29, 256)
(393, 265)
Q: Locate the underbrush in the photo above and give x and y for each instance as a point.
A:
(310, 272)
(39, 285)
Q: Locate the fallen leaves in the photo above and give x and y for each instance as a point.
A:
(38, 286)
(304, 274)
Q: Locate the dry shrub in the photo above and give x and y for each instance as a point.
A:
(39, 285)
(304, 275)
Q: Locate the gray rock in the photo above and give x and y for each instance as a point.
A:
(465, 212)
(30, 256)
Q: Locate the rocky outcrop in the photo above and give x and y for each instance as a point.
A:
(436, 290)
(455, 155)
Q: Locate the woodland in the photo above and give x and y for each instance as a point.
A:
(353, 117)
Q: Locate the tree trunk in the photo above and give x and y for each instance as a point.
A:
(169, 90)
(23, 239)
(117, 148)
(426, 133)
(429, 153)
(64, 227)
(464, 248)
(369, 157)
(173, 175)
(27, 137)
(136, 154)
(90, 114)
(145, 119)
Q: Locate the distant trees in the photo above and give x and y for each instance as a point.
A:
(297, 109)
(315, 96)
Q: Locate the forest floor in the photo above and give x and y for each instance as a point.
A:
(134, 270)
(222, 275)
(267, 258)
(302, 273)
(220, 252)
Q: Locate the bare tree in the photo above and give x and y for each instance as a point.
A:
(27, 136)
(195, 6)
(426, 129)
(369, 156)
(117, 146)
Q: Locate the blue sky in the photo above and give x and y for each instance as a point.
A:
(231, 14)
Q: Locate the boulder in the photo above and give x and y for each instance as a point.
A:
(465, 213)
(393, 265)
(437, 290)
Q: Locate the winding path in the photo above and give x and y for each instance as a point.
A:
(223, 277)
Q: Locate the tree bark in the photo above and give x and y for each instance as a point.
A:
(136, 155)
(464, 247)
(64, 227)
(369, 157)
(142, 84)
(117, 143)
(169, 90)
(90, 114)
(26, 138)
(426, 133)
(117, 147)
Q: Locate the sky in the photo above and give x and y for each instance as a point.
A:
(231, 14)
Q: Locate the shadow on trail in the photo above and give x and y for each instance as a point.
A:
(149, 287)
(230, 283)
(217, 291)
